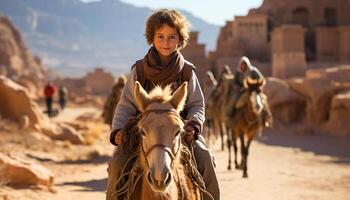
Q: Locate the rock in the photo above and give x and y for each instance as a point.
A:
(338, 73)
(338, 123)
(48, 129)
(63, 132)
(319, 92)
(70, 134)
(17, 105)
(16, 61)
(24, 122)
(89, 116)
(77, 125)
(19, 173)
(286, 105)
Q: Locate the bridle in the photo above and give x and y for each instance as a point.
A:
(161, 146)
(246, 117)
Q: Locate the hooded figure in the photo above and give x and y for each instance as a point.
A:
(244, 70)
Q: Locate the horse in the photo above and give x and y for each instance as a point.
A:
(246, 122)
(209, 86)
(218, 101)
(164, 164)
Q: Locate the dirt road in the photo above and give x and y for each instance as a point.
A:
(281, 166)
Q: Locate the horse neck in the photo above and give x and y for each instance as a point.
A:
(250, 115)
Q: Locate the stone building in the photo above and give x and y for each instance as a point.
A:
(326, 24)
(326, 37)
(244, 36)
(288, 51)
(333, 44)
(99, 82)
(95, 83)
(195, 53)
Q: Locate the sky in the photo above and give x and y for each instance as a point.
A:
(213, 11)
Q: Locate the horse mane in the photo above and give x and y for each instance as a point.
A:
(159, 94)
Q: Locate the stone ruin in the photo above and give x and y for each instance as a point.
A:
(93, 88)
(99, 82)
(319, 101)
(195, 53)
(286, 38)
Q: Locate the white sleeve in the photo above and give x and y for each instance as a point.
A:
(126, 106)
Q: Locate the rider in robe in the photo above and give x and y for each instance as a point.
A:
(239, 94)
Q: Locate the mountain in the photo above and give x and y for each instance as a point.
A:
(73, 37)
(16, 60)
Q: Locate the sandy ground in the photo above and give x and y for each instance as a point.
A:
(281, 166)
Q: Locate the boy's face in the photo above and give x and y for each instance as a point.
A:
(166, 40)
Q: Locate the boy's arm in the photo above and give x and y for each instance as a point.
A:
(126, 106)
(195, 104)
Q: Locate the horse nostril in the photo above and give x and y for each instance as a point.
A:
(167, 179)
(149, 178)
(161, 183)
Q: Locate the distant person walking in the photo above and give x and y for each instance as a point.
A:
(62, 96)
(49, 92)
(113, 99)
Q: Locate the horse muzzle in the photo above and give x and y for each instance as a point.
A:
(159, 181)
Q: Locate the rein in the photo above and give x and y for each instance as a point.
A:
(249, 122)
(161, 146)
(127, 182)
(246, 116)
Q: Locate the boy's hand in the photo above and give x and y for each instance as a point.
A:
(118, 137)
(190, 132)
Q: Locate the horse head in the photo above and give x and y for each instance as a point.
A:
(254, 87)
(160, 126)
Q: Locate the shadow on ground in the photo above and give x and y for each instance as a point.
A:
(334, 146)
(94, 160)
(89, 186)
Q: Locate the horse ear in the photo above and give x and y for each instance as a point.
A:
(141, 97)
(179, 97)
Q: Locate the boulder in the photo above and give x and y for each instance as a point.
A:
(63, 132)
(286, 105)
(319, 92)
(338, 123)
(17, 105)
(89, 116)
(70, 134)
(26, 113)
(19, 173)
(338, 73)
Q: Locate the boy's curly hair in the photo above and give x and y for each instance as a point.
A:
(172, 18)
